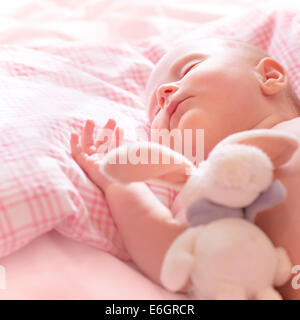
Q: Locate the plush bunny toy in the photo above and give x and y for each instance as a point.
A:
(225, 257)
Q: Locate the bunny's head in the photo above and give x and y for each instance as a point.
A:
(242, 166)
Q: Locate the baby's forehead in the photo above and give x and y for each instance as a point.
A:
(202, 46)
(209, 46)
(206, 46)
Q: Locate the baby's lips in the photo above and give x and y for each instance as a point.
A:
(171, 107)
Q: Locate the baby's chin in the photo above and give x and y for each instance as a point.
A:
(161, 121)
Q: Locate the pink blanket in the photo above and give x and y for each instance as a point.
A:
(63, 62)
(55, 267)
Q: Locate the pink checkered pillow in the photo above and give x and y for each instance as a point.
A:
(47, 92)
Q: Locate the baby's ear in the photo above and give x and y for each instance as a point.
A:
(279, 146)
(271, 76)
(142, 161)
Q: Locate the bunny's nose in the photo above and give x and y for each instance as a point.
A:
(164, 92)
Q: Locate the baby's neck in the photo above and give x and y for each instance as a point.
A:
(272, 120)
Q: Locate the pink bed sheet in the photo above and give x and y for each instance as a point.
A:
(53, 266)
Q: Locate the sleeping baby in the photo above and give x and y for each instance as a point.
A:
(221, 86)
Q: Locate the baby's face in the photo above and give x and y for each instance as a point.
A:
(205, 85)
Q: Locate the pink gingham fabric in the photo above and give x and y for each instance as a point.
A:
(45, 94)
(49, 90)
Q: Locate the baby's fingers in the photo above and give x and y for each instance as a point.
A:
(119, 134)
(77, 154)
(106, 132)
(117, 138)
(87, 141)
(74, 142)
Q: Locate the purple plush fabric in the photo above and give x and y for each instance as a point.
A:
(274, 195)
(205, 211)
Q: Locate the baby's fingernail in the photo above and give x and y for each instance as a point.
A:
(89, 122)
(110, 124)
(111, 120)
(73, 136)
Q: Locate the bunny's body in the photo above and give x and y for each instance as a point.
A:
(226, 259)
(232, 253)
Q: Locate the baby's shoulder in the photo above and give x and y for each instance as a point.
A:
(290, 126)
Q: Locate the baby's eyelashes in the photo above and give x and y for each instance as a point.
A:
(188, 69)
(190, 65)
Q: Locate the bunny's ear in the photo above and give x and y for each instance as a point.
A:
(278, 145)
(179, 260)
(146, 160)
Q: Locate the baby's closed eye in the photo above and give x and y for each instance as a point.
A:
(189, 66)
(188, 69)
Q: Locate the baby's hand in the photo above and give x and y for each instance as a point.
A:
(86, 151)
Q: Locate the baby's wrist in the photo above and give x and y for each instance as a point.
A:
(108, 186)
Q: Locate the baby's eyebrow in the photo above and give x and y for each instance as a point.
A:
(176, 67)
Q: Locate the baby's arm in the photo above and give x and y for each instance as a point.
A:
(146, 225)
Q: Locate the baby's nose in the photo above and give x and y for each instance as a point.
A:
(164, 91)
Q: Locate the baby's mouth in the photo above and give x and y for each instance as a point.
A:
(173, 105)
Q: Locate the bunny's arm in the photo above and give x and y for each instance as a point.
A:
(146, 225)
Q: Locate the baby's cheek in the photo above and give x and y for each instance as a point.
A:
(198, 132)
(220, 78)
(194, 118)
